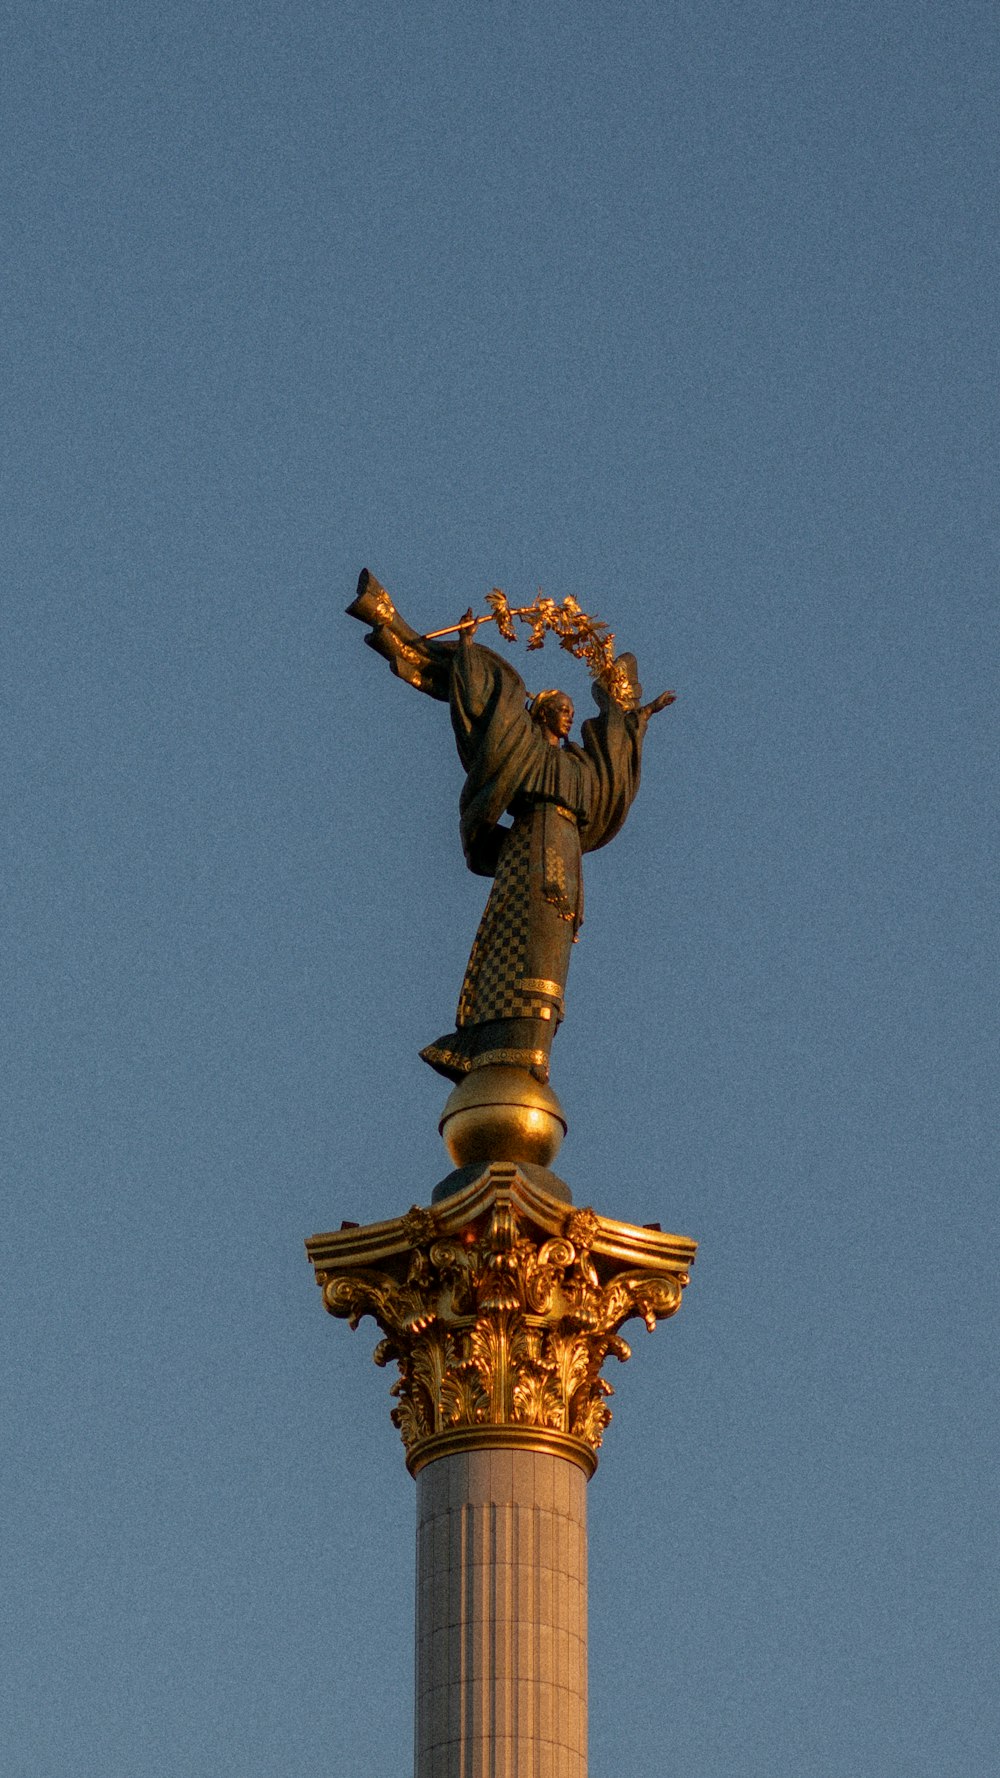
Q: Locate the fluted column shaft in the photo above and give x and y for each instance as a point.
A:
(501, 1682)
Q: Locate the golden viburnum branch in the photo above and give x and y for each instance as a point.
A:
(585, 637)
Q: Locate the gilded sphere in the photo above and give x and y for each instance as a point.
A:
(502, 1114)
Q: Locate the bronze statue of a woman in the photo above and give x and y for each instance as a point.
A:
(563, 799)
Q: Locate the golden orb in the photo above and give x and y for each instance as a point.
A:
(499, 1113)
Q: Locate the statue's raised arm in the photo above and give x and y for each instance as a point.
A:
(561, 799)
(425, 665)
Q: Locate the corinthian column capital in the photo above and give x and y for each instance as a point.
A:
(500, 1306)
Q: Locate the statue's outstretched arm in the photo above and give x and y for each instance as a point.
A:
(627, 673)
(424, 665)
(660, 703)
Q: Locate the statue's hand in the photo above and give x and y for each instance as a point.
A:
(660, 703)
(468, 625)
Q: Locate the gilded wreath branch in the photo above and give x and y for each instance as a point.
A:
(588, 638)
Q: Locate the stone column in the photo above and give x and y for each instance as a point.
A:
(499, 1304)
(501, 1652)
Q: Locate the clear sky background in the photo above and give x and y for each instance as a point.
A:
(686, 309)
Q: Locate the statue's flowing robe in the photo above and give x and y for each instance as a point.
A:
(563, 800)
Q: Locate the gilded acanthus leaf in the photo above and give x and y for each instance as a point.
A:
(464, 1401)
(590, 1416)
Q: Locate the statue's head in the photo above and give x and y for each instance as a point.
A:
(553, 711)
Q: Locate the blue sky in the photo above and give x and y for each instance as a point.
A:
(690, 311)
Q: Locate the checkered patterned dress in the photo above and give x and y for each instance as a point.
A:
(511, 1002)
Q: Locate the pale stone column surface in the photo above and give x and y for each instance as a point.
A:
(501, 1622)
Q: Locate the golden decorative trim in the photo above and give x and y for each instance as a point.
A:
(435, 1053)
(567, 814)
(564, 911)
(511, 1059)
(555, 874)
(537, 985)
(500, 1308)
(501, 1438)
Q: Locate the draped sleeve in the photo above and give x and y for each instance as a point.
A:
(424, 665)
(497, 744)
(612, 756)
(497, 740)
